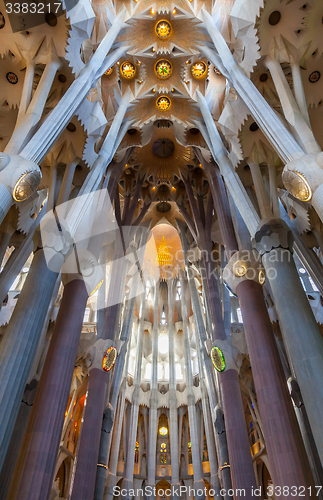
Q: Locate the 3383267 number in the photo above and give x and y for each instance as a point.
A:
(32, 8)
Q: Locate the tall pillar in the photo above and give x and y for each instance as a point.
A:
(36, 463)
(173, 424)
(300, 332)
(207, 364)
(153, 420)
(196, 458)
(127, 482)
(214, 480)
(83, 482)
(115, 447)
(20, 343)
(277, 415)
(245, 277)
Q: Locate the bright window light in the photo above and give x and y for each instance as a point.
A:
(239, 314)
(163, 343)
(148, 371)
(87, 315)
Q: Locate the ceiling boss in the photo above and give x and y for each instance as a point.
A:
(163, 69)
(163, 103)
(163, 29)
(199, 69)
(128, 70)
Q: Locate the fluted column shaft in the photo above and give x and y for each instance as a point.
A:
(154, 396)
(20, 343)
(36, 463)
(196, 458)
(173, 425)
(129, 465)
(89, 442)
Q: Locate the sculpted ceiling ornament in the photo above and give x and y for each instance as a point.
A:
(163, 29)
(199, 69)
(163, 103)
(163, 69)
(128, 70)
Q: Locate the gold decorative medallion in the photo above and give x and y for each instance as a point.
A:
(163, 29)
(261, 277)
(217, 358)
(163, 103)
(239, 268)
(128, 70)
(297, 185)
(26, 185)
(163, 431)
(163, 69)
(109, 359)
(109, 72)
(199, 69)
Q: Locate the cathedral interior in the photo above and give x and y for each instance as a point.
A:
(161, 249)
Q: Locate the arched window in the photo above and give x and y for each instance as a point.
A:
(87, 315)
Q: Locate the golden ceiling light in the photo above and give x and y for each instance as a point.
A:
(199, 70)
(163, 29)
(261, 277)
(109, 72)
(152, 11)
(128, 70)
(154, 90)
(163, 69)
(163, 431)
(139, 63)
(153, 49)
(163, 103)
(297, 185)
(174, 11)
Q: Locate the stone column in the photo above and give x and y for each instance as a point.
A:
(153, 419)
(83, 482)
(127, 482)
(36, 463)
(196, 458)
(214, 480)
(245, 276)
(173, 424)
(301, 335)
(20, 343)
(115, 448)
(207, 363)
(277, 415)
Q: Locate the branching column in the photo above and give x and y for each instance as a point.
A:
(127, 482)
(173, 424)
(154, 396)
(196, 458)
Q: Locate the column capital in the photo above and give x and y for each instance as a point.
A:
(270, 234)
(101, 355)
(82, 265)
(243, 266)
(225, 356)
